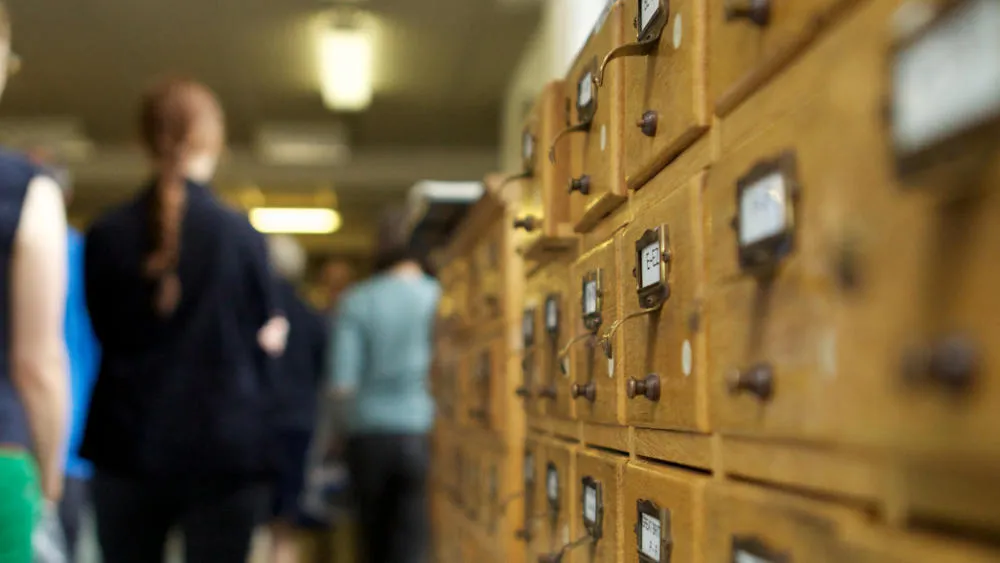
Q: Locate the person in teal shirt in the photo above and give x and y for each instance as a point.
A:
(379, 366)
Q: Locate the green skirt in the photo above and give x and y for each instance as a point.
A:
(20, 505)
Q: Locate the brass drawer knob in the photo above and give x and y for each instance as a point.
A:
(528, 223)
(647, 123)
(757, 380)
(952, 362)
(587, 391)
(523, 535)
(522, 392)
(478, 414)
(756, 11)
(581, 184)
(550, 558)
(547, 392)
(648, 387)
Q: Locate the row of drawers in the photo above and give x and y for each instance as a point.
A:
(585, 146)
(592, 506)
(792, 288)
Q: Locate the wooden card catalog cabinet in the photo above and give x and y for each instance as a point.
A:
(752, 40)
(663, 59)
(945, 136)
(595, 387)
(544, 213)
(663, 287)
(663, 509)
(745, 524)
(594, 131)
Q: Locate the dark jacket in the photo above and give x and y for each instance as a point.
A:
(190, 394)
(300, 369)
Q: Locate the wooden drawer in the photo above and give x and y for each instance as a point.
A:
(449, 372)
(534, 531)
(486, 384)
(486, 296)
(666, 105)
(745, 523)
(472, 481)
(544, 213)
(559, 485)
(662, 273)
(749, 46)
(596, 389)
(884, 545)
(599, 528)
(555, 317)
(663, 514)
(597, 181)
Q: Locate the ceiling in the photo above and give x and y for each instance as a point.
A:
(442, 68)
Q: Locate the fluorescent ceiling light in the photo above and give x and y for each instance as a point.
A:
(295, 220)
(346, 68)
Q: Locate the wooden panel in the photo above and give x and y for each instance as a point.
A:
(882, 545)
(608, 436)
(683, 448)
(657, 492)
(593, 370)
(743, 521)
(601, 481)
(745, 54)
(667, 86)
(544, 212)
(595, 153)
(559, 485)
(664, 339)
(952, 493)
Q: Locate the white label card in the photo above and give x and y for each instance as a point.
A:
(529, 468)
(590, 298)
(551, 314)
(650, 266)
(650, 537)
(585, 92)
(528, 146)
(552, 485)
(744, 557)
(763, 209)
(590, 505)
(648, 9)
(949, 79)
(528, 330)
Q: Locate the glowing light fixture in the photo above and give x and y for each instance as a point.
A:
(346, 61)
(295, 220)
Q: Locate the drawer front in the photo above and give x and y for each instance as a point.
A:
(883, 545)
(662, 267)
(599, 526)
(559, 486)
(534, 528)
(663, 511)
(448, 373)
(749, 42)
(666, 105)
(744, 523)
(536, 342)
(596, 389)
(544, 213)
(472, 482)
(487, 372)
(597, 182)
(557, 317)
(486, 299)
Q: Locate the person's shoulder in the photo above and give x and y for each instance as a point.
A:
(17, 167)
(112, 221)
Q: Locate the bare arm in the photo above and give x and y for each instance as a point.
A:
(38, 300)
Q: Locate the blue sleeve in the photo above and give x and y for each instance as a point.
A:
(347, 357)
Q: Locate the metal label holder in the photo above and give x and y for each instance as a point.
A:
(656, 294)
(755, 547)
(595, 527)
(592, 319)
(653, 510)
(764, 255)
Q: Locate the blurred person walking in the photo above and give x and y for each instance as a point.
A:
(184, 304)
(335, 277)
(379, 367)
(33, 380)
(299, 375)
